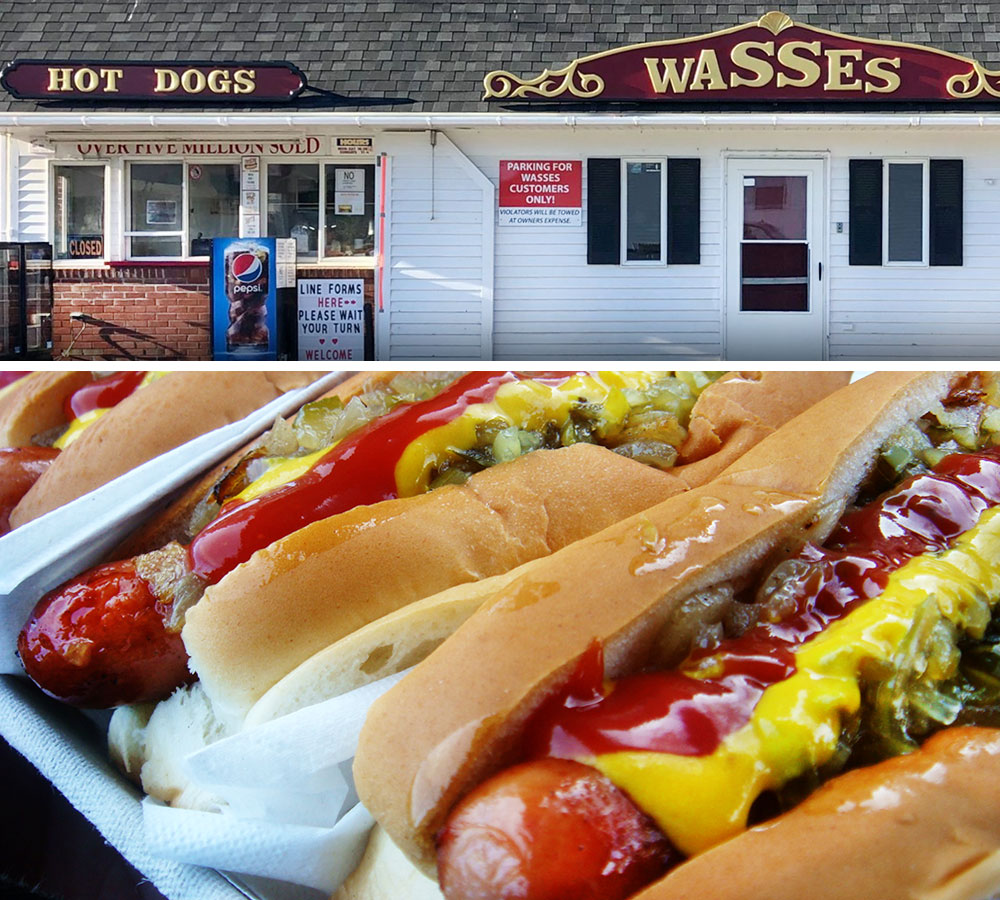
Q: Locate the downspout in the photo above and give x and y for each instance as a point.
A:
(434, 140)
(7, 216)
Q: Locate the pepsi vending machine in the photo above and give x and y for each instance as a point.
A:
(244, 314)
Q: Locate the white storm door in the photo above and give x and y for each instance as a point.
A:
(775, 249)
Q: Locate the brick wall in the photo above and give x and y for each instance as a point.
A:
(140, 311)
(132, 312)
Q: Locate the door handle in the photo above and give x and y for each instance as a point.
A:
(821, 271)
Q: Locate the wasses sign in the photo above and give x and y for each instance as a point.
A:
(773, 58)
(541, 192)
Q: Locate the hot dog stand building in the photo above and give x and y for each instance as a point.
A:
(519, 180)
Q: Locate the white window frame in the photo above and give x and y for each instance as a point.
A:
(925, 231)
(625, 163)
(321, 260)
(127, 231)
(105, 219)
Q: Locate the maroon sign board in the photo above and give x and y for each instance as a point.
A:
(171, 81)
(773, 58)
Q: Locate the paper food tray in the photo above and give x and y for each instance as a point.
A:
(66, 745)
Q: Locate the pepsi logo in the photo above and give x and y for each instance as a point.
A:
(246, 268)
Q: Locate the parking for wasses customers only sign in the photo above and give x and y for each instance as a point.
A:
(541, 192)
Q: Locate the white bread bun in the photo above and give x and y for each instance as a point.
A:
(456, 718)
(156, 418)
(150, 741)
(341, 573)
(33, 405)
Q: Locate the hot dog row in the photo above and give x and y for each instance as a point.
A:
(651, 614)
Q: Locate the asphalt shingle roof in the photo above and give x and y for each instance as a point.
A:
(433, 55)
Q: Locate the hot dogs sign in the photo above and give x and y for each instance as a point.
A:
(31, 79)
(773, 58)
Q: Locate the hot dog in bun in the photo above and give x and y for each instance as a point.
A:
(64, 434)
(610, 724)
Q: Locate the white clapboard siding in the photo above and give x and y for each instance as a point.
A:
(30, 195)
(549, 304)
(439, 256)
(922, 312)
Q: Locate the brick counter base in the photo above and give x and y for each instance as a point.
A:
(148, 311)
(131, 312)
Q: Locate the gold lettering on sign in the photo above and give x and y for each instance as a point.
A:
(167, 81)
(762, 69)
(808, 69)
(219, 81)
(111, 77)
(245, 81)
(670, 80)
(840, 76)
(60, 79)
(882, 68)
(708, 72)
(193, 81)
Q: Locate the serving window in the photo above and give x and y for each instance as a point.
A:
(343, 224)
(175, 209)
(78, 213)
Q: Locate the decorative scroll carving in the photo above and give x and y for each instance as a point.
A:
(979, 81)
(500, 85)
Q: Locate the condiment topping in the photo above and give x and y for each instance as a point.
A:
(87, 404)
(761, 709)
(365, 462)
(480, 420)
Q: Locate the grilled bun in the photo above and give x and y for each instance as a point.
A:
(33, 405)
(457, 717)
(160, 416)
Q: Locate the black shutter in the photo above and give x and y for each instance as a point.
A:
(604, 211)
(684, 211)
(865, 226)
(946, 212)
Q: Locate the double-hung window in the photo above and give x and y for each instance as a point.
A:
(643, 212)
(906, 212)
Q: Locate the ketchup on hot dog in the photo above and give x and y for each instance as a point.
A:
(358, 471)
(103, 393)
